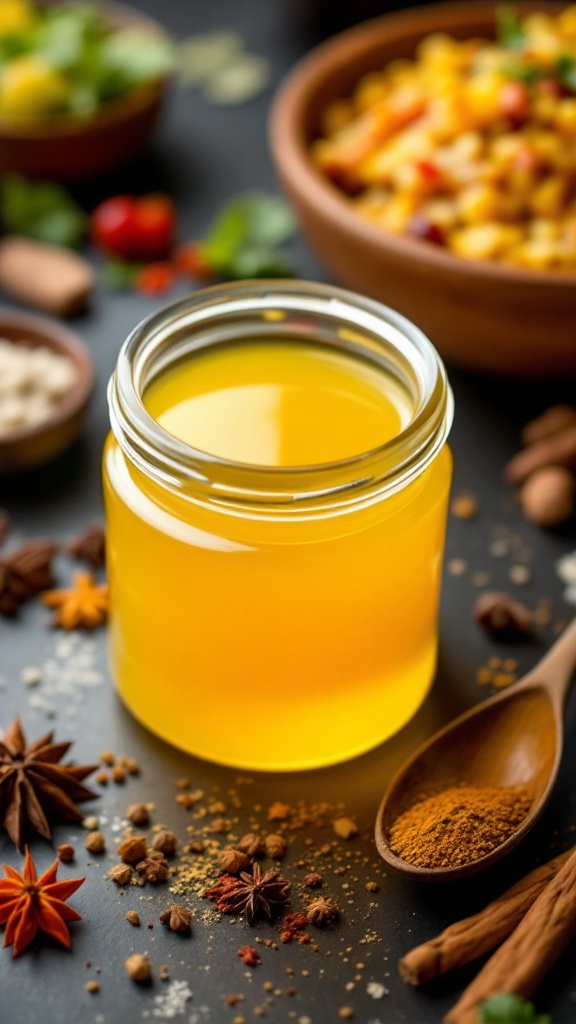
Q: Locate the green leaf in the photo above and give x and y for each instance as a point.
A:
(259, 261)
(510, 32)
(41, 210)
(244, 239)
(119, 276)
(566, 71)
(525, 72)
(134, 56)
(508, 1008)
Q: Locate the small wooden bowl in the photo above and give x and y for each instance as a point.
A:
(480, 315)
(70, 148)
(29, 447)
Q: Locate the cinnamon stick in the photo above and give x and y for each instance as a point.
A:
(521, 963)
(472, 937)
(556, 450)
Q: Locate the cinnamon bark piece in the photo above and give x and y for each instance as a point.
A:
(522, 962)
(557, 450)
(466, 940)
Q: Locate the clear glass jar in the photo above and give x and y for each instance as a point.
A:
(276, 616)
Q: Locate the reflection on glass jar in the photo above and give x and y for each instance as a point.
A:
(276, 484)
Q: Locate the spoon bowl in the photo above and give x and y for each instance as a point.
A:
(514, 739)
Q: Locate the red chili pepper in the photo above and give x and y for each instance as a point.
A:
(155, 279)
(190, 259)
(113, 226)
(155, 226)
(428, 170)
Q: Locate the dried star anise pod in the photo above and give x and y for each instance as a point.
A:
(250, 894)
(501, 614)
(29, 904)
(84, 604)
(34, 788)
(321, 911)
(89, 546)
(177, 918)
(24, 572)
(154, 868)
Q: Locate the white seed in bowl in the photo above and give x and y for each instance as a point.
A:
(33, 382)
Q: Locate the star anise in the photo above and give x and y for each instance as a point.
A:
(85, 604)
(89, 546)
(250, 893)
(34, 788)
(154, 868)
(29, 905)
(24, 572)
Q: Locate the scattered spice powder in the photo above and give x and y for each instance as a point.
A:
(458, 825)
(249, 956)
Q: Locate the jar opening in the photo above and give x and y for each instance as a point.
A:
(346, 333)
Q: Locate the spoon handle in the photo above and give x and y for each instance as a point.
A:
(555, 672)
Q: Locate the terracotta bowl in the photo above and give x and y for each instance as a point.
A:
(69, 148)
(479, 315)
(29, 447)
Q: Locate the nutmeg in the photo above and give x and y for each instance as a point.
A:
(547, 497)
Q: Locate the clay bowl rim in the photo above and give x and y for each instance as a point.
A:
(289, 138)
(121, 108)
(51, 334)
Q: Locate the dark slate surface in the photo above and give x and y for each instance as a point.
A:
(202, 155)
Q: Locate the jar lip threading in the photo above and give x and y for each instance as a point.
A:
(242, 311)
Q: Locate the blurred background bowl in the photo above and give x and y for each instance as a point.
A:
(482, 316)
(28, 447)
(65, 148)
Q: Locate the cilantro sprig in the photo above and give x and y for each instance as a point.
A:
(247, 236)
(508, 1008)
(41, 210)
(510, 33)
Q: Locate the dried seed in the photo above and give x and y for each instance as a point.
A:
(138, 967)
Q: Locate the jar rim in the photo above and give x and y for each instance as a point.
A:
(155, 342)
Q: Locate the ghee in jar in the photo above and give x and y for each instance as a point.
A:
(276, 484)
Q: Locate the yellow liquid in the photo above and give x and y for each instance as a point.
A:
(274, 643)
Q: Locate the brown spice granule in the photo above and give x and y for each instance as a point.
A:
(251, 844)
(138, 814)
(92, 987)
(120, 873)
(345, 828)
(133, 849)
(346, 1012)
(107, 757)
(118, 774)
(234, 998)
(464, 506)
(313, 880)
(154, 868)
(177, 918)
(249, 956)
(164, 972)
(102, 778)
(95, 842)
(372, 886)
(164, 841)
(185, 800)
(458, 825)
(66, 853)
(130, 764)
(232, 861)
(275, 846)
(138, 967)
(133, 918)
(182, 783)
(279, 811)
(220, 825)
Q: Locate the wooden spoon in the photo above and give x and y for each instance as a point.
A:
(512, 739)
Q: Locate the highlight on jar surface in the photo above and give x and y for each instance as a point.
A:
(276, 483)
(470, 145)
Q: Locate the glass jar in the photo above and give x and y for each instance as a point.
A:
(277, 616)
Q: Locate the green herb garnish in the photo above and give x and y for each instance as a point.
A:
(41, 210)
(566, 71)
(508, 1008)
(120, 276)
(245, 239)
(510, 32)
